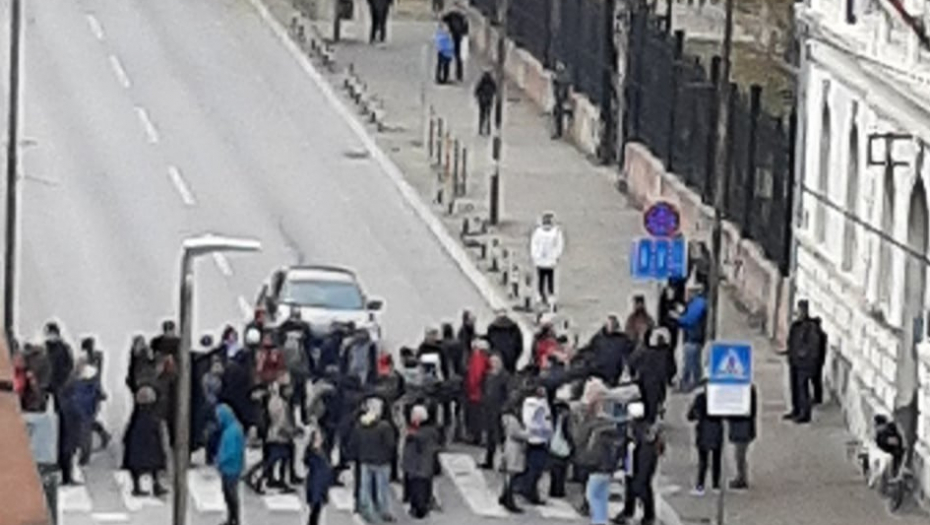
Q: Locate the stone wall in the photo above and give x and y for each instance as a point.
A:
(756, 281)
(535, 81)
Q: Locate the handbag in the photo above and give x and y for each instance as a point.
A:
(464, 49)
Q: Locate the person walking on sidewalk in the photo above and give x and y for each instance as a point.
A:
(143, 452)
(514, 455)
(561, 92)
(458, 28)
(485, 91)
(708, 437)
(445, 52)
(380, 10)
(742, 433)
(639, 322)
(546, 246)
(804, 341)
(648, 448)
(319, 477)
(230, 460)
(693, 321)
(94, 358)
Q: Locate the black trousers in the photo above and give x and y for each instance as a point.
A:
(642, 492)
(800, 384)
(420, 495)
(716, 463)
(378, 27)
(558, 118)
(315, 511)
(442, 68)
(527, 483)
(817, 385)
(459, 65)
(558, 472)
(484, 118)
(231, 497)
(545, 280)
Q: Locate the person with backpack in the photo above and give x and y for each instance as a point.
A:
(295, 339)
(602, 451)
(560, 450)
(648, 445)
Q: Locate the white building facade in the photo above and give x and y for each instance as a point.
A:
(861, 229)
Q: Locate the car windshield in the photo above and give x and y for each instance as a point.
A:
(331, 295)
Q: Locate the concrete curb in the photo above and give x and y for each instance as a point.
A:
(456, 252)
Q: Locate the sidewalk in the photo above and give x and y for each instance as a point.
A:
(799, 474)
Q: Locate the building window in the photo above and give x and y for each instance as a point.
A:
(886, 271)
(823, 177)
(852, 195)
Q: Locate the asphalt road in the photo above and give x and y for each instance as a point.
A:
(147, 122)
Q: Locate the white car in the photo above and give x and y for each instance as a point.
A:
(324, 295)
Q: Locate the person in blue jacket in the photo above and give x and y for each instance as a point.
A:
(445, 52)
(230, 459)
(319, 477)
(693, 323)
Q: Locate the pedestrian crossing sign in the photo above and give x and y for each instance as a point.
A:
(730, 364)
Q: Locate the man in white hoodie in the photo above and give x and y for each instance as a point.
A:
(546, 246)
(537, 421)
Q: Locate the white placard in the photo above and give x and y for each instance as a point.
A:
(729, 400)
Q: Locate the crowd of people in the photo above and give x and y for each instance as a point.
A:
(339, 398)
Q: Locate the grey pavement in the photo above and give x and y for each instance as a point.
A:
(800, 474)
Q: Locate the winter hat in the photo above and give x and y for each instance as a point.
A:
(146, 395)
(419, 414)
(594, 390)
(635, 410)
(481, 344)
(88, 372)
(658, 333)
(253, 337)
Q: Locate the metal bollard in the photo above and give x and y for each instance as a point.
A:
(439, 141)
(432, 131)
(484, 251)
(463, 177)
(495, 254)
(515, 282)
(301, 35)
(528, 300)
(455, 168)
(464, 231)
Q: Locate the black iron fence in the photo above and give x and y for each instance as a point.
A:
(574, 32)
(671, 107)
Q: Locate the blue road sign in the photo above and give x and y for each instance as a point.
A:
(730, 364)
(659, 258)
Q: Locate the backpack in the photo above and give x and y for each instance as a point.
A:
(559, 445)
(294, 356)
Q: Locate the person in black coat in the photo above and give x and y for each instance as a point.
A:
(467, 334)
(709, 441)
(611, 349)
(669, 302)
(458, 28)
(60, 357)
(319, 477)
(506, 339)
(817, 376)
(495, 394)
(804, 346)
(648, 367)
(142, 446)
(69, 430)
(742, 432)
(237, 391)
(648, 447)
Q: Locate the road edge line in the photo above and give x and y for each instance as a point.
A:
(452, 248)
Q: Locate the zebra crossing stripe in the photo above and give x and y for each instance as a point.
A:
(110, 517)
(133, 503)
(558, 509)
(470, 482)
(341, 498)
(74, 499)
(282, 503)
(206, 490)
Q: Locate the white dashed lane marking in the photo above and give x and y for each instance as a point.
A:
(119, 71)
(150, 132)
(183, 190)
(95, 27)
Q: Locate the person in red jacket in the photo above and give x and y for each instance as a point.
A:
(478, 365)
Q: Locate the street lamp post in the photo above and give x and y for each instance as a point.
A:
(12, 161)
(497, 144)
(191, 249)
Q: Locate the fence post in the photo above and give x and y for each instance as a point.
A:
(432, 131)
(455, 169)
(439, 133)
(709, 165)
(673, 100)
(464, 178)
(755, 99)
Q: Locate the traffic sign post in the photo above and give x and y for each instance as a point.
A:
(729, 384)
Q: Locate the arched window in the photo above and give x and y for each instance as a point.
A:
(823, 177)
(852, 195)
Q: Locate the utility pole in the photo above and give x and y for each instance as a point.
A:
(723, 154)
(497, 144)
(12, 162)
